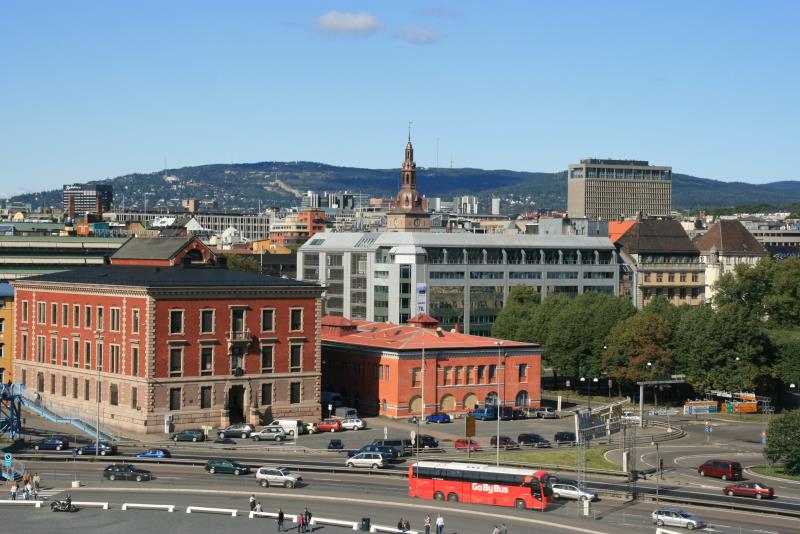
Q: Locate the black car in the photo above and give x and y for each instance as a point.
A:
(51, 444)
(240, 430)
(104, 449)
(532, 440)
(566, 438)
(335, 445)
(188, 435)
(126, 472)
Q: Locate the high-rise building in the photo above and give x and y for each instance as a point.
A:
(79, 199)
(610, 188)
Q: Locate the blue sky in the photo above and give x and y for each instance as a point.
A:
(95, 89)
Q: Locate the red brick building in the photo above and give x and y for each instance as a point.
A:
(379, 367)
(200, 343)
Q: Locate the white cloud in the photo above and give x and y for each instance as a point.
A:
(344, 22)
(419, 35)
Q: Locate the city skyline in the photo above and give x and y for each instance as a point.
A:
(107, 90)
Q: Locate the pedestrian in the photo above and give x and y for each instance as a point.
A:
(406, 525)
(14, 491)
(307, 516)
(401, 526)
(280, 520)
(37, 480)
(439, 524)
(252, 502)
(495, 530)
(503, 528)
(258, 507)
(301, 523)
(427, 523)
(26, 477)
(28, 491)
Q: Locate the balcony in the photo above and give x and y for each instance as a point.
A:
(239, 336)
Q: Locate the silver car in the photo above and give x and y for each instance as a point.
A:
(571, 491)
(372, 460)
(675, 517)
(269, 433)
(277, 476)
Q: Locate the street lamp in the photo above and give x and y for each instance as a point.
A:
(499, 403)
(658, 471)
(589, 382)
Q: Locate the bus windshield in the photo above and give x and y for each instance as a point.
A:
(542, 483)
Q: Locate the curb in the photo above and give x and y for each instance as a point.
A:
(776, 479)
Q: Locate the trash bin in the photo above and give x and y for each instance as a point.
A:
(365, 524)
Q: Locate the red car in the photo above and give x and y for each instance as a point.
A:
(330, 426)
(464, 444)
(749, 489)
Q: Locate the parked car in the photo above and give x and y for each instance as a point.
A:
(724, 469)
(344, 412)
(51, 444)
(675, 517)
(311, 428)
(153, 453)
(226, 466)
(749, 489)
(354, 423)
(372, 460)
(396, 444)
(335, 445)
(290, 426)
(547, 413)
(277, 476)
(425, 442)
(240, 430)
(565, 438)
(464, 444)
(104, 449)
(188, 435)
(437, 417)
(126, 472)
(487, 413)
(505, 442)
(572, 491)
(269, 433)
(506, 413)
(387, 453)
(532, 440)
(330, 425)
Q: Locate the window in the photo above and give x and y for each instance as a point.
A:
(134, 397)
(74, 388)
(113, 395)
(99, 356)
(76, 316)
(24, 346)
(99, 391)
(2, 350)
(268, 320)
(480, 374)
(175, 398)
(100, 319)
(659, 278)
(266, 358)
(63, 386)
(65, 315)
(175, 361)
(295, 358)
(695, 277)
(114, 354)
(381, 274)
(64, 351)
(671, 277)
(87, 317)
(53, 350)
(294, 393)
(135, 360)
(24, 311)
(683, 277)
(52, 384)
(266, 394)
(296, 319)
(114, 320)
(492, 372)
(76, 353)
(205, 397)
(54, 314)
(416, 372)
(41, 310)
(207, 321)
(522, 372)
(646, 278)
(135, 321)
(459, 371)
(206, 361)
(41, 349)
(87, 354)
(176, 321)
(86, 389)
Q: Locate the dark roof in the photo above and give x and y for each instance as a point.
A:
(6, 290)
(151, 248)
(657, 236)
(163, 277)
(729, 235)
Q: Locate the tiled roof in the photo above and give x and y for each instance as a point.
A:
(617, 229)
(729, 235)
(654, 236)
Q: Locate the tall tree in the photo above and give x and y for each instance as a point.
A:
(520, 308)
(242, 262)
(635, 342)
(747, 286)
(783, 441)
(783, 302)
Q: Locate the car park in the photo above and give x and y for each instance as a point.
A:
(335, 445)
(565, 438)
(330, 425)
(51, 444)
(104, 449)
(236, 431)
(572, 491)
(277, 476)
(505, 443)
(153, 453)
(188, 435)
(354, 423)
(372, 460)
(387, 453)
(437, 417)
(269, 433)
(464, 444)
(547, 413)
(226, 466)
(724, 469)
(126, 472)
(675, 517)
(749, 489)
(532, 440)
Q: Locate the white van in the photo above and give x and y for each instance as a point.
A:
(290, 426)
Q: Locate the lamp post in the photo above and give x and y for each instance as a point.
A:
(589, 392)
(499, 400)
(658, 471)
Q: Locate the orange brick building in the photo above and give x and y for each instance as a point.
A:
(378, 367)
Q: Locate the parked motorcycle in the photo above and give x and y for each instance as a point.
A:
(64, 505)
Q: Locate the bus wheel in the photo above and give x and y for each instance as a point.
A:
(438, 496)
(519, 503)
(452, 497)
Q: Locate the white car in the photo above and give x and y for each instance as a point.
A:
(277, 476)
(354, 423)
(631, 416)
(675, 517)
(372, 460)
(571, 491)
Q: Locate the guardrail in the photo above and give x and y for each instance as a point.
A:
(35, 504)
(335, 522)
(140, 506)
(204, 509)
(393, 530)
(292, 518)
(91, 504)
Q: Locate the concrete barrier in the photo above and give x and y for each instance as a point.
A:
(274, 515)
(35, 504)
(91, 504)
(665, 531)
(334, 522)
(140, 506)
(392, 530)
(231, 511)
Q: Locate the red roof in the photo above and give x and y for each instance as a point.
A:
(617, 229)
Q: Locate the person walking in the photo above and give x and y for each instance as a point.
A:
(495, 530)
(503, 528)
(14, 491)
(301, 523)
(280, 520)
(401, 526)
(252, 502)
(427, 523)
(37, 480)
(307, 516)
(28, 491)
(258, 507)
(406, 525)
(439, 524)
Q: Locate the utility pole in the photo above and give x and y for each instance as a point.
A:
(499, 401)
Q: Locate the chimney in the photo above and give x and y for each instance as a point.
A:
(71, 207)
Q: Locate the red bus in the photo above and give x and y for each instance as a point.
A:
(480, 484)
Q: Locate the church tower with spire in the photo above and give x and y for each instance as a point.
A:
(408, 215)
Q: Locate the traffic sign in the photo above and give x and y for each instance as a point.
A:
(413, 435)
(8, 459)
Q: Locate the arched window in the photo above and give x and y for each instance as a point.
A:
(522, 399)
(491, 399)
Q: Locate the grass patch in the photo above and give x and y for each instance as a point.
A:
(776, 471)
(566, 456)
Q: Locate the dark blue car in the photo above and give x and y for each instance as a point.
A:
(438, 417)
(105, 449)
(51, 444)
(387, 453)
(154, 453)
